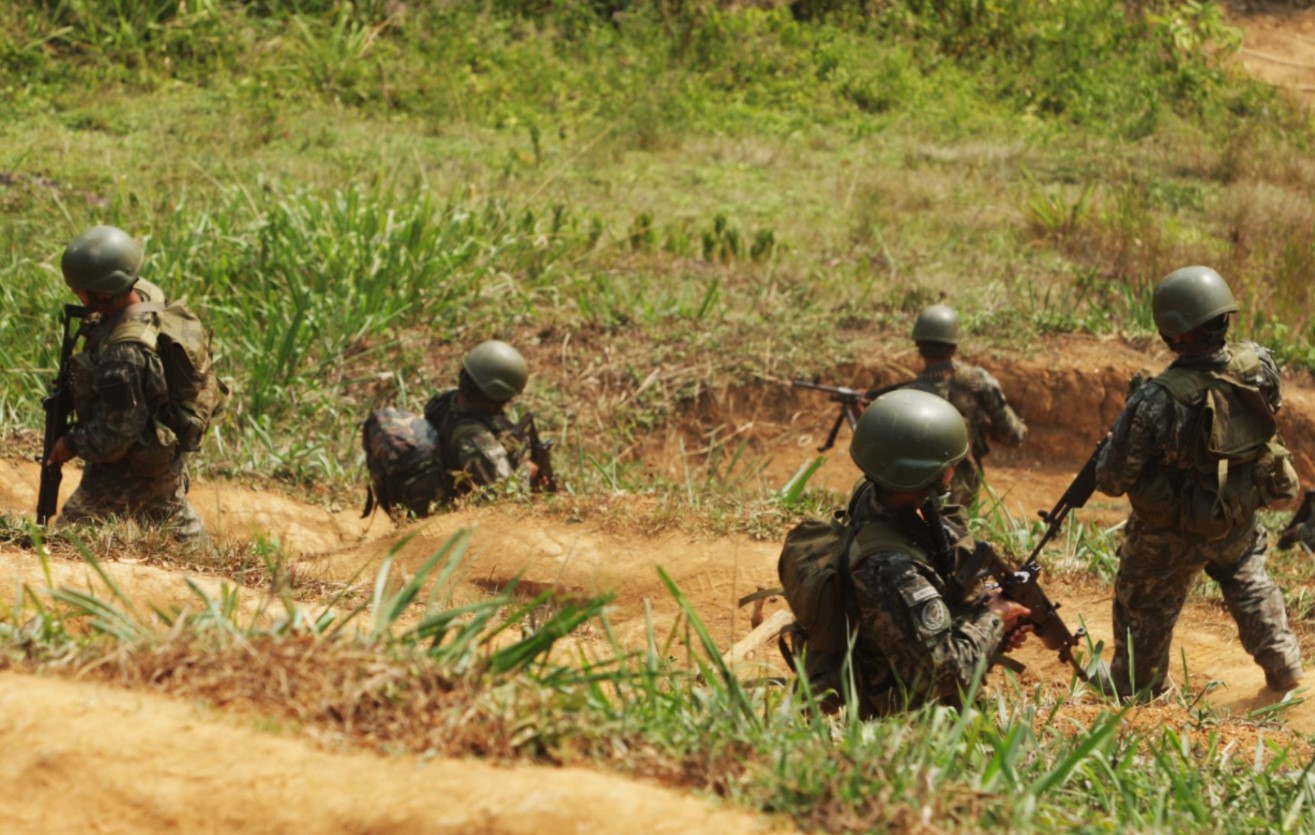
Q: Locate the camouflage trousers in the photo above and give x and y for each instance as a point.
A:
(1157, 569)
(115, 491)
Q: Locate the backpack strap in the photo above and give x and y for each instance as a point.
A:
(136, 325)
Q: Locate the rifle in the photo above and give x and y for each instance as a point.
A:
(1022, 586)
(1303, 516)
(525, 430)
(58, 403)
(852, 403)
(1077, 495)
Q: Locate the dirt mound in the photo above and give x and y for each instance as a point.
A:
(82, 757)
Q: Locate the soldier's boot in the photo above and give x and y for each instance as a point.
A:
(1283, 680)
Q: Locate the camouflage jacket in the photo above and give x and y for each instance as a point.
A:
(118, 392)
(473, 446)
(921, 634)
(978, 397)
(1155, 442)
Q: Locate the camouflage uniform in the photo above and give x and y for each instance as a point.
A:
(133, 468)
(921, 636)
(978, 397)
(1159, 561)
(473, 445)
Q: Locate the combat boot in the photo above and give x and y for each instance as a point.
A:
(1281, 681)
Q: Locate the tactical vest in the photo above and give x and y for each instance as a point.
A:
(196, 394)
(1235, 463)
(454, 425)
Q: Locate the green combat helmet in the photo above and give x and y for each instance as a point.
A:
(938, 323)
(907, 438)
(1188, 298)
(497, 369)
(103, 260)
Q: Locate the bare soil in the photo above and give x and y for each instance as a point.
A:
(1278, 46)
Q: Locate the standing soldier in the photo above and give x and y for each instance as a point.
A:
(923, 631)
(1197, 453)
(127, 431)
(972, 390)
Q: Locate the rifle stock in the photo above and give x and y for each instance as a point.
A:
(58, 404)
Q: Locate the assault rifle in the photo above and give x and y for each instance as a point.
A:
(58, 403)
(1301, 517)
(525, 430)
(1022, 585)
(852, 402)
(1077, 495)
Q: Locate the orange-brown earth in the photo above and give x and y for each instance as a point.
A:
(156, 764)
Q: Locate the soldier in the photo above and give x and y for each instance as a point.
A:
(972, 390)
(471, 423)
(922, 635)
(1195, 450)
(135, 465)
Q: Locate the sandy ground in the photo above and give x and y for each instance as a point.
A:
(82, 757)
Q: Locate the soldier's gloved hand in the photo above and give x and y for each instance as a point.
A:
(59, 454)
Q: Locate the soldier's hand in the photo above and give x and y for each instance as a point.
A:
(1015, 639)
(1010, 612)
(59, 453)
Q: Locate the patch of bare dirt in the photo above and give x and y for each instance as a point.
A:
(83, 757)
(1278, 45)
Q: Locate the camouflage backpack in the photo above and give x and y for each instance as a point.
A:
(1237, 464)
(196, 394)
(402, 455)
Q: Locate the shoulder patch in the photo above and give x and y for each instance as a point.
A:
(934, 617)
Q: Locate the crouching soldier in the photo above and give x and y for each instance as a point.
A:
(464, 442)
(142, 391)
(923, 627)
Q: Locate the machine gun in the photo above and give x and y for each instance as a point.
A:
(1291, 532)
(852, 402)
(540, 452)
(58, 403)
